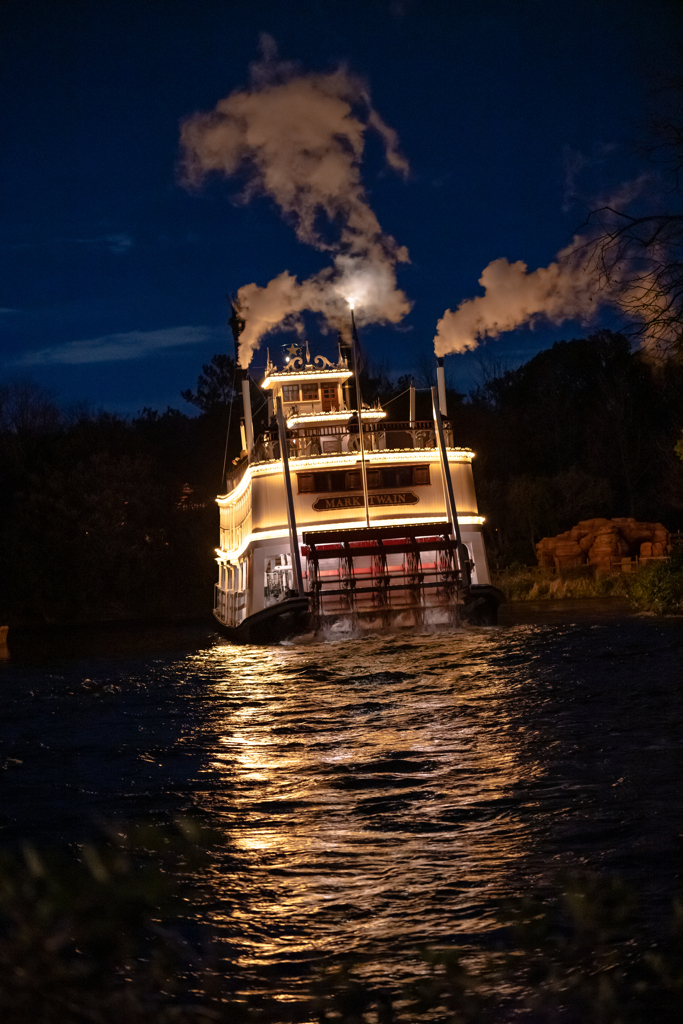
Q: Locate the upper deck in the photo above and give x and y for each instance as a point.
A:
(315, 391)
(402, 463)
(320, 440)
(323, 422)
(328, 444)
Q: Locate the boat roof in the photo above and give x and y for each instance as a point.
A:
(297, 369)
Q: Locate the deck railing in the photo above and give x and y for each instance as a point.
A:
(321, 440)
(339, 439)
(234, 478)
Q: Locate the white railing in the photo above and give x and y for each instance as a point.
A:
(308, 442)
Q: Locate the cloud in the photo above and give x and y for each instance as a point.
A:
(114, 348)
(117, 243)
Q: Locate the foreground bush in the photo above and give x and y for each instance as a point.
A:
(658, 586)
(99, 939)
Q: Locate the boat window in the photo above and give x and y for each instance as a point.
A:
(354, 479)
(309, 392)
(397, 476)
(351, 479)
(337, 480)
(290, 392)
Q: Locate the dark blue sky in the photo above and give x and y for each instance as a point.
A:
(99, 243)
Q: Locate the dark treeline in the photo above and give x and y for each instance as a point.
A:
(586, 428)
(106, 518)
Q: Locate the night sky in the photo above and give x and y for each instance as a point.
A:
(514, 116)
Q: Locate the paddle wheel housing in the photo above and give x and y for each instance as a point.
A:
(385, 571)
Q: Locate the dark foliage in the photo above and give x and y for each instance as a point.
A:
(96, 521)
(105, 937)
(586, 428)
(219, 382)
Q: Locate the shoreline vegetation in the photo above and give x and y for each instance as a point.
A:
(655, 587)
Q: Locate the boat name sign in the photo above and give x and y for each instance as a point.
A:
(356, 500)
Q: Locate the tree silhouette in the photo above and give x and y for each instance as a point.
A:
(217, 386)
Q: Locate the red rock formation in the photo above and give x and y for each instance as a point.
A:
(601, 542)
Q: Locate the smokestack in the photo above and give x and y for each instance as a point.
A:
(236, 323)
(411, 415)
(246, 401)
(441, 385)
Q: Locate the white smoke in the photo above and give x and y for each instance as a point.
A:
(573, 287)
(300, 139)
(513, 296)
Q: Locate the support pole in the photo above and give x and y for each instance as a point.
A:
(291, 520)
(359, 403)
(248, 424)
(441, 383)
(448, 494)
(411, 414)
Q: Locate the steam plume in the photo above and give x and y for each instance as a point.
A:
(588, 273)
(513, 297)
(300, 139)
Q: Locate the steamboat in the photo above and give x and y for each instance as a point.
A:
(339, 521)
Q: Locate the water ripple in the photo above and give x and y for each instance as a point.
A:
(373, 795)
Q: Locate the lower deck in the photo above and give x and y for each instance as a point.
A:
(397, 555)
(395, 568)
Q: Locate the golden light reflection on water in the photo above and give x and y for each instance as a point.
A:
(367, 789)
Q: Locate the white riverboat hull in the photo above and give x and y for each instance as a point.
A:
(293, 618)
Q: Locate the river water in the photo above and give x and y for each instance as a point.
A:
(374, 794)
